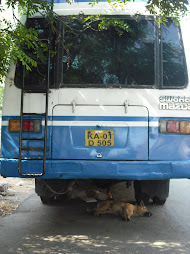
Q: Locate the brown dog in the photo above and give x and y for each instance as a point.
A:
(125, 210)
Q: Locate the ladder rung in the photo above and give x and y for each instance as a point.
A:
(36, 114)
(36, 91)
(32, 175)
(32, 138)
(32, 159)
(37, 149)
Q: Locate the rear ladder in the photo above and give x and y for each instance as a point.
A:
(45, 114)
(44, 138)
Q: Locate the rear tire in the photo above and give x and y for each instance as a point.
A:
(47, 200)
(157, 190)
(52, 190)
(158, 201)
(142, 197)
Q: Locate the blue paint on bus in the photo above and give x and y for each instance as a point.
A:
(84, 169)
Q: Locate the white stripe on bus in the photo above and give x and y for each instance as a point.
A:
(95, 123)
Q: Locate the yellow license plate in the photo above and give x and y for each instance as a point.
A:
(99, 137)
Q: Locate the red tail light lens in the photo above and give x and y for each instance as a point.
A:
(29, 125)
(174, 126)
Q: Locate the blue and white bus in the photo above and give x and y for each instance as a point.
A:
(107, 106)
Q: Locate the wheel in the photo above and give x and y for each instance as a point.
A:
(46, 188)
(157, 190)
(142, 197)
(139, 195)
(47, 200)
(158, 201)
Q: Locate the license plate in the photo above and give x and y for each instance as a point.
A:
(99, 137)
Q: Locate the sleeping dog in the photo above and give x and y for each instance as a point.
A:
(125, 210)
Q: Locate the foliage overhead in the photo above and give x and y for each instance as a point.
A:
(15, 38)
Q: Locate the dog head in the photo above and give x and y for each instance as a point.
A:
(144, 210)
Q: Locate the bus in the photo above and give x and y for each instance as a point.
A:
(109, 105)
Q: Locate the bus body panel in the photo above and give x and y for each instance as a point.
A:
(162, 147)
(89, 169)
(130, 132)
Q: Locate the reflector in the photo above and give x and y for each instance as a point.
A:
(163, 126)
(14, 125)
(37, 125)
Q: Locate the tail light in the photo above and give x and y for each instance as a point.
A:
(29, 125)
(174, 126)
(185, 127)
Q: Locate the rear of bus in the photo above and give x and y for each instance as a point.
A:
(118, 108)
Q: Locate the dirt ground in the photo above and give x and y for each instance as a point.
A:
(21, 188)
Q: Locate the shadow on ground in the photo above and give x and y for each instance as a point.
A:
(66, 228)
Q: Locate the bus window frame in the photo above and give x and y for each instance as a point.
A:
(156, 52)
(158, 61)
(162, 87)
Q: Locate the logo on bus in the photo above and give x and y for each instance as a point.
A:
(174, 103)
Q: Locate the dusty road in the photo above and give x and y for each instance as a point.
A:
(65, 228)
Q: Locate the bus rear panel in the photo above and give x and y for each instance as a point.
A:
(118, 107)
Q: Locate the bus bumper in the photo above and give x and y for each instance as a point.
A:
(83, 169)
